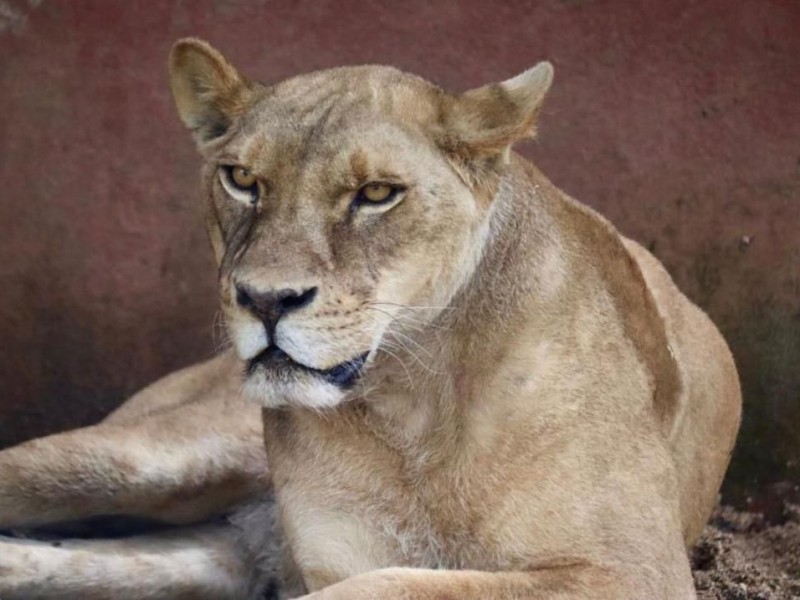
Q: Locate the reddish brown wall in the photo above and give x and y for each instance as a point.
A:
(679, 120)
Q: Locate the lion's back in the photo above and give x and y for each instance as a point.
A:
(707, 417)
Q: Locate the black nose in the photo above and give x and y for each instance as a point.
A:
(270, 306)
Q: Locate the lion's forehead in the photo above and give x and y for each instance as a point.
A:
(322, 105)
(383, 89)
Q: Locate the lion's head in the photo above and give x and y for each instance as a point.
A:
(336, 200)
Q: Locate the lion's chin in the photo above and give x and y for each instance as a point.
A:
(301, 390)
(274, 380)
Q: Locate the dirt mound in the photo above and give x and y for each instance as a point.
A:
(745, 556)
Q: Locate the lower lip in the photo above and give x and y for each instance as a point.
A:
(343, 375)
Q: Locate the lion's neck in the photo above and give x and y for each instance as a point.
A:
(554, 274)
(431, 383)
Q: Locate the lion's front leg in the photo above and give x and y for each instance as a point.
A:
(189, 562)
(179, 465)
(559, 581)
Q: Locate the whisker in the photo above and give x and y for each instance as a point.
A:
(219, 333)
(404, 318)
(398, 318)
(417, 344)
(383, 348)
(404, 347)
(410, 307)
(410, 352)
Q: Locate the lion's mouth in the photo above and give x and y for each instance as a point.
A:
(277, 362)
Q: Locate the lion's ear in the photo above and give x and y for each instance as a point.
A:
(209, 92)
(489, 119)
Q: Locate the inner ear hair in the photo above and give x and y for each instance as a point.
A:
(488, 120)
(209, 92)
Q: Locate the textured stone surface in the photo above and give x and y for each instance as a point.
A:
(678, 120)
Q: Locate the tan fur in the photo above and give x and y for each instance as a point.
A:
(542, 414)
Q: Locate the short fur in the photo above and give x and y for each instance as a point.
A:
(542, 413)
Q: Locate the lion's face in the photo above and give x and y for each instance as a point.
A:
(334, 203)
(347, 215)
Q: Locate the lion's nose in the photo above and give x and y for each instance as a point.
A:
(270, 306)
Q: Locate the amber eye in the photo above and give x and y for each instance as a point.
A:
(242, 178)
(377, 194)
(240, 183)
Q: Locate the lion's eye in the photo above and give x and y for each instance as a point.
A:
(242, 178)
(377, 194)
(240, 183)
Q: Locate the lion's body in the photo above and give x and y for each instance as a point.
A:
(558, 427)
(542, 439)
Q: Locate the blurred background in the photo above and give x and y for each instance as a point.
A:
(677, 119)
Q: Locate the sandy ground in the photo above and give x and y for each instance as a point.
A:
(746, 556)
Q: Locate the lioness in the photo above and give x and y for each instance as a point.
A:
(472, 387)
